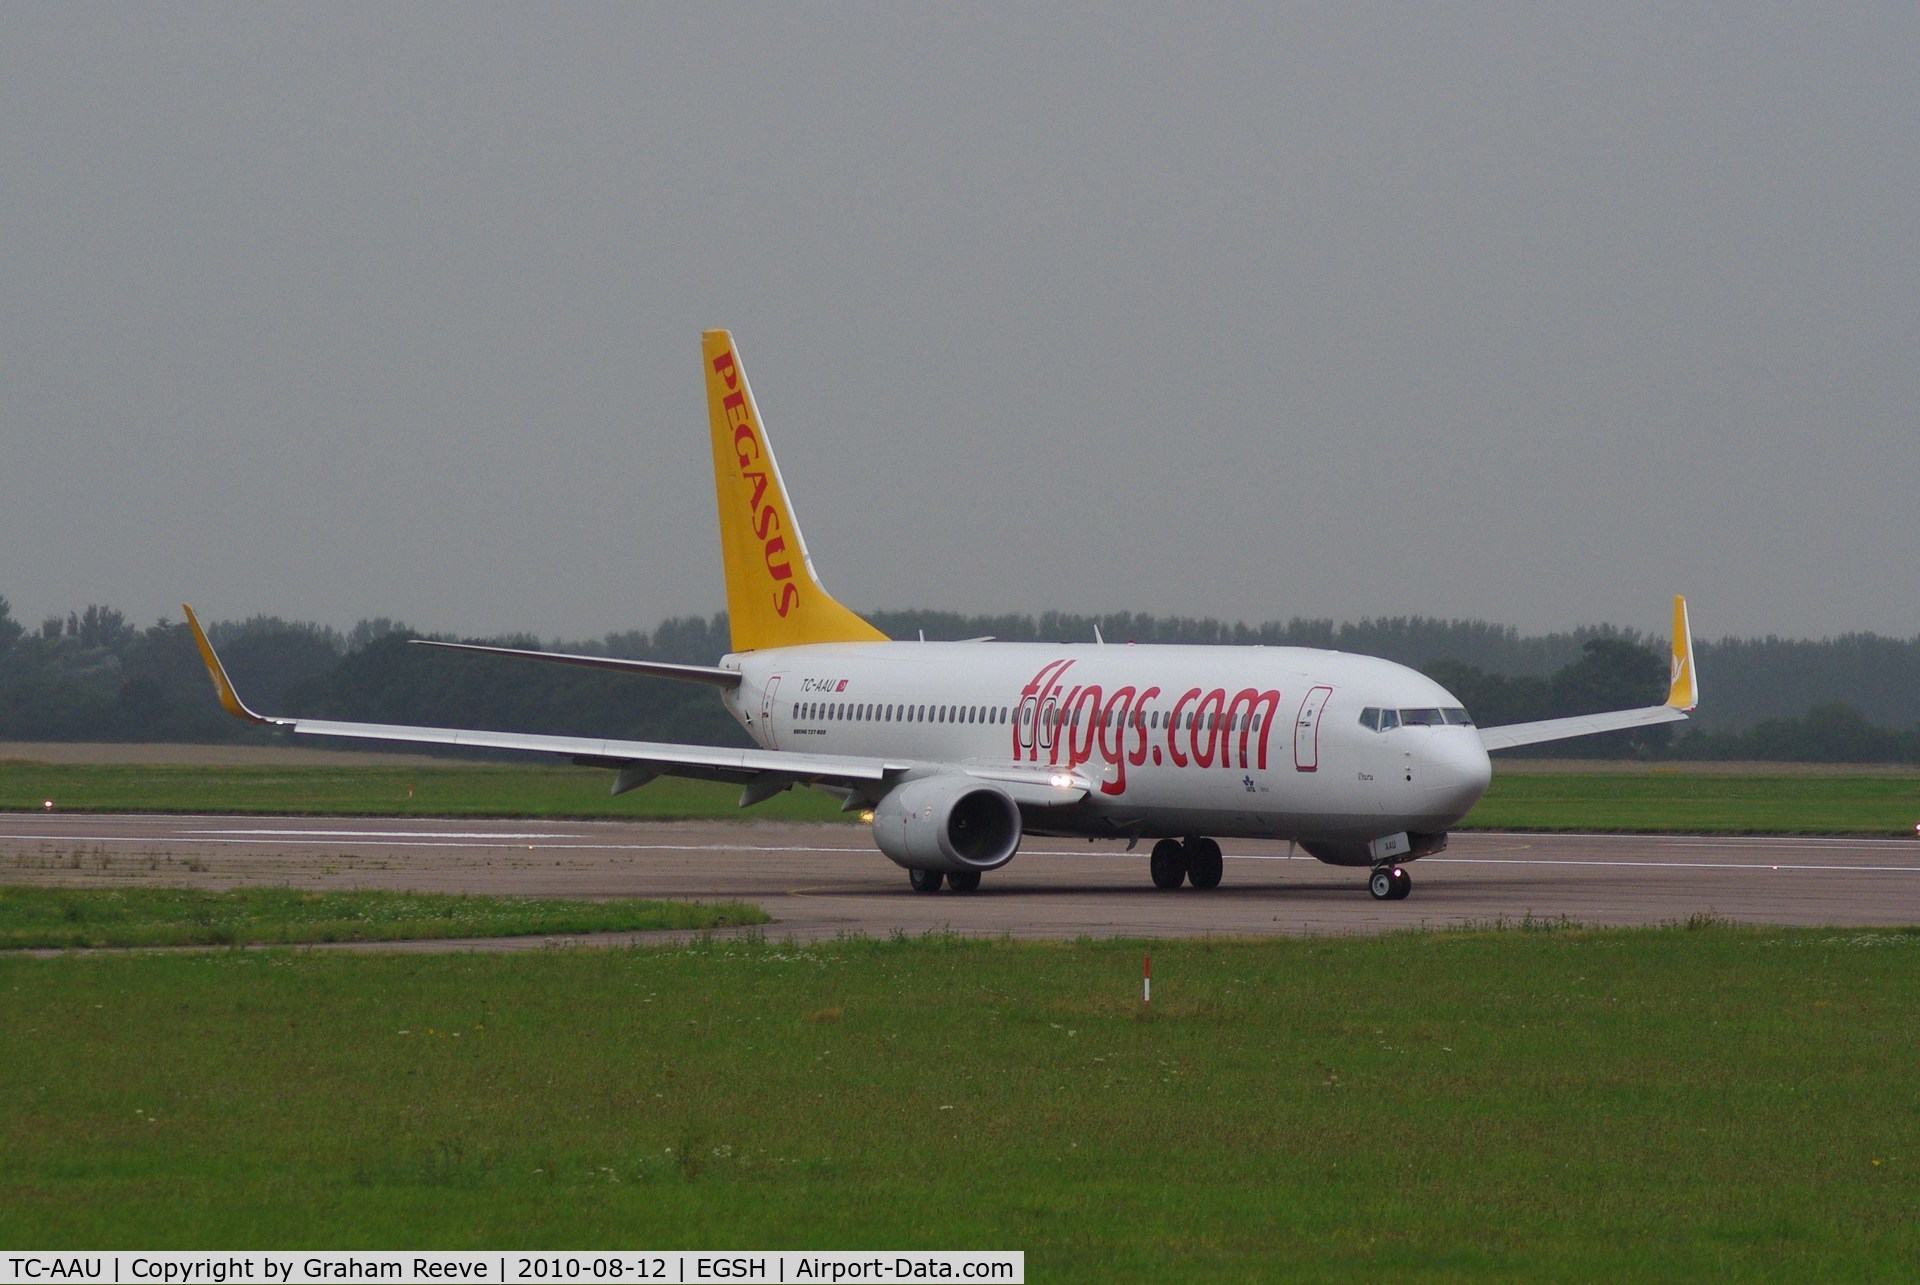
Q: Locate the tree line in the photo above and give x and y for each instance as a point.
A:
(94, 675)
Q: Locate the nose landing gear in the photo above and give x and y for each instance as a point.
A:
(1389, 883)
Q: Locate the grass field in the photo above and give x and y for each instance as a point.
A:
(430, 789)
(1714, 1103)
(33, 916)
(1678, 800)
(1667, 799)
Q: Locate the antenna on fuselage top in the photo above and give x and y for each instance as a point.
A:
(1098, 640)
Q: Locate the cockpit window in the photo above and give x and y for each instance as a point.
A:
(1421, 718)
(1389, 719)
(1370, 718)
(1457, 717)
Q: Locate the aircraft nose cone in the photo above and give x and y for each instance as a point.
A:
(1456, 772)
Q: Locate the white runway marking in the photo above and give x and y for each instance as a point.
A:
(1692, 840)
(390, 834)
(1656, 865)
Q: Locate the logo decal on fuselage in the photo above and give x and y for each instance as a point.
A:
(1074, 725)
(762, 516)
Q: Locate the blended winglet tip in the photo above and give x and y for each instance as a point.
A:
(222, 685)
(1683, 689)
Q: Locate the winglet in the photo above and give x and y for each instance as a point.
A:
(1683, 691)
(222, 685)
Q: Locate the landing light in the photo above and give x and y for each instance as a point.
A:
(866, 817)
(1061, 781)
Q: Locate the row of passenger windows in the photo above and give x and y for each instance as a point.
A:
(1385, 720)
(842, 711)
(845, 711)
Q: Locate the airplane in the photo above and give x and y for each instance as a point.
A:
(956, 751)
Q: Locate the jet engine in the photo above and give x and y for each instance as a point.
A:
(950, 823)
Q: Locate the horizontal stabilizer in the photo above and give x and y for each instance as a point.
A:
(712, 675)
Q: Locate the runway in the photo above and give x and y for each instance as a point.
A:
(819, 881)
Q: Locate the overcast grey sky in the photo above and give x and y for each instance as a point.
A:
(1527, 313)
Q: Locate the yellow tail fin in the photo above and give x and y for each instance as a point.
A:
(773, 599)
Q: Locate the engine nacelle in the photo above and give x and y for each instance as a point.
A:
(1354, 852)
(947, 823)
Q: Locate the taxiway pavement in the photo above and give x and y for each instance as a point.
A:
(819, 881)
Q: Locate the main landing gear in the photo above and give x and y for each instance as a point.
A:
(930, 880)
(1389, 883)
(1197, 861)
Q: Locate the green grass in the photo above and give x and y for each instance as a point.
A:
(1669, 798)
(1719, 1103)
(37, 916)
(432, 789)
(1674, 800)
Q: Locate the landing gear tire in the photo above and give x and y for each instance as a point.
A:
(964, 880)
(1389, 883)
(1381, 884)
(925, 880)
(1204, 866)
(1168, 864)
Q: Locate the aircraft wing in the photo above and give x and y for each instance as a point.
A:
(1683, 693)
(763, 773)
(1560, 729)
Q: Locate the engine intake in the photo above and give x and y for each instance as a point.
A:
(947, 823)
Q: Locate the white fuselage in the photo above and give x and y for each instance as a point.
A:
(1256, 742)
